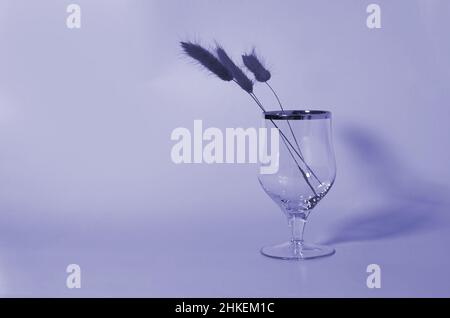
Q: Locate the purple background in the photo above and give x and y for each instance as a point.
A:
(85, 169)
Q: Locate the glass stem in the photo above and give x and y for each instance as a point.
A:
(297, 224)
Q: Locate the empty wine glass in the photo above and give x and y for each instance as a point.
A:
(306, 172)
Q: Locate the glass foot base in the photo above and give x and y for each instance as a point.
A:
(297, 251)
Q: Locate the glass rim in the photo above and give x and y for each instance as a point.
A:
(297, 114)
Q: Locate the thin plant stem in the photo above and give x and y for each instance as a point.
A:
(293, 135)
(287, 143)
(289, 124)
(284, 136)
(298, 166)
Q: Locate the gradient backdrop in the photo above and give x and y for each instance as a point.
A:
(85, 170)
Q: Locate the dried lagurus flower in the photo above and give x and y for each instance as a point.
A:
(255, 66)
(207, 60)
(239, 76)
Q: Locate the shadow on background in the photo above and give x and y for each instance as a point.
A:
(409, 203)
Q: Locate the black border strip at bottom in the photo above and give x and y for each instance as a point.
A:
(205, 307)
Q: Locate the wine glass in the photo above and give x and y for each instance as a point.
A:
(306, 172)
